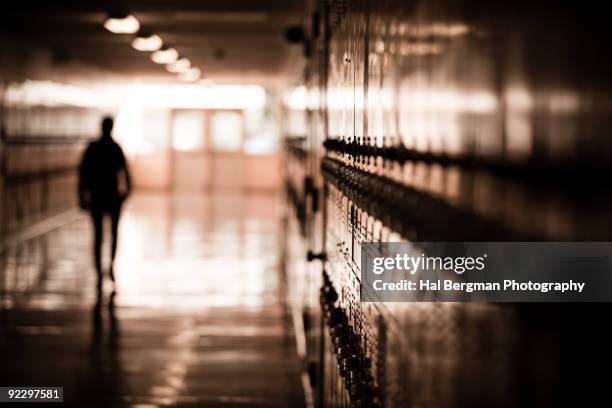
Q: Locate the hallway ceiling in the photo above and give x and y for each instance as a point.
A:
(230, 41)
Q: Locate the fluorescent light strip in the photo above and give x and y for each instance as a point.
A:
(150, 43)
(178, 66)
(126, 25)
(192, 74)
(166, 56)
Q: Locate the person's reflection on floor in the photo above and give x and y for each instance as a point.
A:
(104, 184)
(97, 332)
(104, 374)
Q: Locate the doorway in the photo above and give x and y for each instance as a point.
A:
(190, 162)
(227, 140)
(207, 150)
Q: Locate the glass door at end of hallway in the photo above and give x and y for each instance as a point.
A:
(191, 168)
(226, 129)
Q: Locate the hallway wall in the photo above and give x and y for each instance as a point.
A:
(46, 118)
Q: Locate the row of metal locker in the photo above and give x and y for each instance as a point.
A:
(442, 121)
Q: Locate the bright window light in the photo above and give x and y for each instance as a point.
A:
(297, 98)
(167, 56)
(48, 93)
(192, 74)
(226, 131)
(188, 131)
(142, 120)
(178, 66)
(149, 43)
(125, 25)
(187, 96)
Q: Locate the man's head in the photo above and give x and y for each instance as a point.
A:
(107, 126)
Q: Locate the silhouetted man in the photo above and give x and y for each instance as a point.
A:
(104, 184)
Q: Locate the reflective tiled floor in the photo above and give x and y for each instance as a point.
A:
(196, 318)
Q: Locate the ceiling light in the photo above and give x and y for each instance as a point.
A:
(122, 25)
(178, 66)
(192, 74)
(165, 56)
(147, 43)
